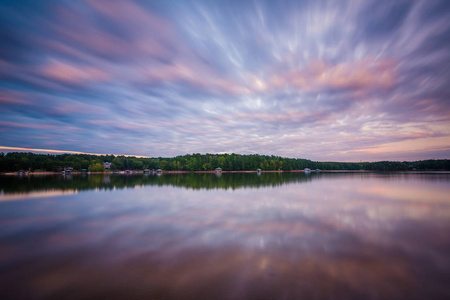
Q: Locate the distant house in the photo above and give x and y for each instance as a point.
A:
(107, 165)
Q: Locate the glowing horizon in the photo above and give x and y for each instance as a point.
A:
(17, 149)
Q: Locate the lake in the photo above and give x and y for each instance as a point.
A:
(233, 236)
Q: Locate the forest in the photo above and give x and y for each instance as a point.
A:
(16, 161)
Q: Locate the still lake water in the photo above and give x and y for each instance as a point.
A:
(237, 236)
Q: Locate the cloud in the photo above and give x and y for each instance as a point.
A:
(11, 97)
(70, 73)
(21, 125)
(366, 74)
(140, 34)
(50, 151)
(197, 76)
(380, 20)
(297, 79)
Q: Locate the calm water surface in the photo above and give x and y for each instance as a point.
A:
(237, 236)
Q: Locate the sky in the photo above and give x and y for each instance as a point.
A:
(323, 80)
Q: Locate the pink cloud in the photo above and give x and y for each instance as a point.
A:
(12, 97)
(102, 122)
(28, 74)
(70, 73)
(71, 107)
(197, 75)
(147, 35)
(360, 75)
(290, 116)
(131, 15)
(24, 125)
(74, 28)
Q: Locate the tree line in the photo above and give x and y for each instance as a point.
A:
(16, 161)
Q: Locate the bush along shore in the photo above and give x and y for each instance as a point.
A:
(44, 163)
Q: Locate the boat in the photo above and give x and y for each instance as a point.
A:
(67, 171)
(307, 170)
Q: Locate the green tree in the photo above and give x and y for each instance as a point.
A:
(96, 167)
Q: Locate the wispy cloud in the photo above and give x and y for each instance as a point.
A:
(325, 81)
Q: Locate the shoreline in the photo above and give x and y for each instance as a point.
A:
(225, 172)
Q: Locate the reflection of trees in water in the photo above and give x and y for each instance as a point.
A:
(15, 184)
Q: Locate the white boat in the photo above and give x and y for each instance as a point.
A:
(307, 170)
(67, 171)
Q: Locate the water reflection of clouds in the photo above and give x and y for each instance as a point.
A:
(232, 273)
(36, 194)
(272, 216)
(342, 237)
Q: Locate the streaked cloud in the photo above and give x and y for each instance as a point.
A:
(358, 80)
(65, 72)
